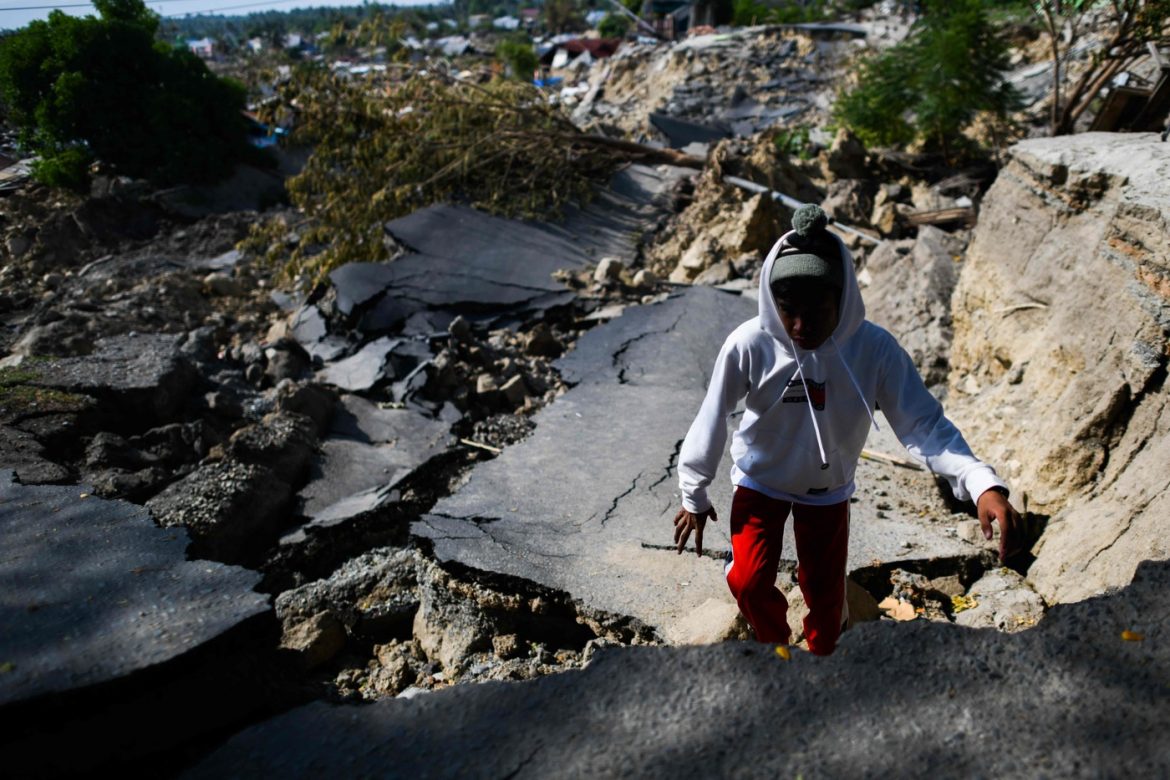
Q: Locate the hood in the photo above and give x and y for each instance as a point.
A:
(852, 308)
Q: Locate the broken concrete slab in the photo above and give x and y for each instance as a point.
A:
(361, 370)
(484, 267)
(114, 644)
(132, 600)
(140, 378)
(1070, 698)
(611, 443)
(368, 450)
(682, 132)
(231, 509)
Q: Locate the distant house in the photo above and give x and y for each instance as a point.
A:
(593, 18)
(530, 16)
(292, 41)
(579, 50)
(476, 21)
(453, 45)
(506, 23)
(202, 47)
(256, 45)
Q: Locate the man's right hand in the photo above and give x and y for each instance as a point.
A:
(685, 522)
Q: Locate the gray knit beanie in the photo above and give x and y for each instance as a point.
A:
(812, 252)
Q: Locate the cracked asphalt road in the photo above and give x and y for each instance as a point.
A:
(585, 504)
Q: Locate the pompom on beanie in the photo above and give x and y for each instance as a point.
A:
(811, 252)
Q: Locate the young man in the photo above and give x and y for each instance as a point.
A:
(811, 371)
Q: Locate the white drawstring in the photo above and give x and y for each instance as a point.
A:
(808, 400)
(856, 386)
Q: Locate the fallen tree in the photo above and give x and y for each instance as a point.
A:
(389, 144)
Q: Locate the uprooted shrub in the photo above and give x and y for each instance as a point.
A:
(384, 147)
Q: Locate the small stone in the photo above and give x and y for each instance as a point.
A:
(485, 384)
(507, 646)
(254, 373)
(541, 342)
(316, 640)
(608, 268)
(645, 279)
(515, 391)
(222, 284)
(460, 329)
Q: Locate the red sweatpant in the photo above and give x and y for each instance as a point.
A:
(822, 543)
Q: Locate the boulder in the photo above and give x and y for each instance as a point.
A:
(1002, 600)
(911, 283)
(1060, 342)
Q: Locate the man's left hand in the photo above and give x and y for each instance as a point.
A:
(993, 505)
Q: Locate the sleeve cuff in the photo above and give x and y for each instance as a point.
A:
(697, 502)
(982, 480)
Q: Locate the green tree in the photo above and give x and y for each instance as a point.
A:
(932, 85)
(85, 89)
(516, 52)
(1129, 25)
(614, 26)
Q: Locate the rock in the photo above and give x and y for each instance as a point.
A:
(396, 669)
(645, 279)
(911, 283)
(850, 200)
(719, 273)
(286, 360)
(515, 391)
(308, 399)
(609, 269)
(845, 159)
(1003, 600)
(281, 442)
(486, 387)
(756, 229)
(698, 257)
(222, 284)
(1076, 294)
(446, 628)
(231, 509)
(541, 342)
(507, 646)
(316, 640)
(373, 595)
(459, 329)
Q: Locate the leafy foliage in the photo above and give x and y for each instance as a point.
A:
(747, 12)
(614, 26)
(518, 55)
(385, 148)
(934, 84)
(1130, 26)
(80, 89)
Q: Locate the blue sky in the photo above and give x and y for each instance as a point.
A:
(18, 13)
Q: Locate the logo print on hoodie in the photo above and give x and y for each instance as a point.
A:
(795, 393)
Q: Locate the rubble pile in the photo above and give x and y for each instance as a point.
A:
(734, 83)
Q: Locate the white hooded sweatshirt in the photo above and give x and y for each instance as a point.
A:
(803, 446)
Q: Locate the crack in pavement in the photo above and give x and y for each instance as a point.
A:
(671, 466)
(522, 765)
(625, 345)
(614, 504)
